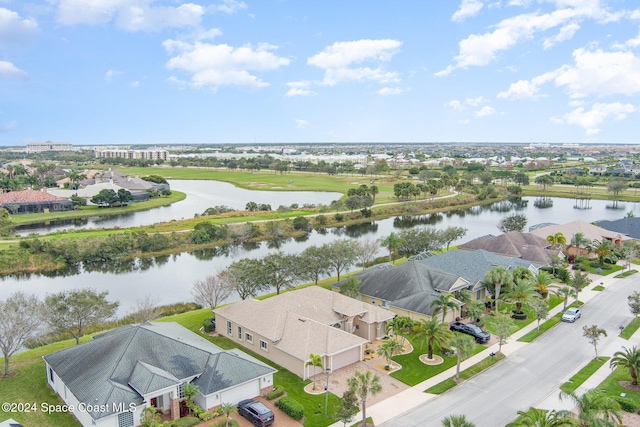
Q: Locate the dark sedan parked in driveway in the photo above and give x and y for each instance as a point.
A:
(480, 335)
(256, 412)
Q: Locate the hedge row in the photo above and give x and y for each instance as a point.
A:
(291, 407)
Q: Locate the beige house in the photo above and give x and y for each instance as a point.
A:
(589, 231)
(289, 327)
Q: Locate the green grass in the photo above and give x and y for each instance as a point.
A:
(604, 271)
(625, 274)
(611, 387)
(554, 300)
(598, 288)
(630, 329)
(414, 371)
(583, 374)
(464, 375)
(544, 327)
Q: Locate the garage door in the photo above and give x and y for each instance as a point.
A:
(241, 392)
(345, 358)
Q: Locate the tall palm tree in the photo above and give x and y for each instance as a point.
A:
(433, 332)
(557, 240)
(228, 409)
(603, 248)
(463, 344)
(498, 277)
(391, 242)
(315, 360)
(594, 409)
(457, 421)
(522, 292)
(443, 303)
(363, 384)
(541, 282)
(630, 360)
(475, 310)
(565, 292)
(542, 418)
(579, 241)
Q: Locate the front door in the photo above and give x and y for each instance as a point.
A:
(154, 402)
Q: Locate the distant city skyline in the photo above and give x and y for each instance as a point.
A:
(159, 72)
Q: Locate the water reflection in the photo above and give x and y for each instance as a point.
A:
(582, 204)
(413, 221)
(543, 203)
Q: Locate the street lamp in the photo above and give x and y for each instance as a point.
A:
(326, 393)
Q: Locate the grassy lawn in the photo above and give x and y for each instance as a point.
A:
(554, 300)
(611, 387)
(583, 374)
(414, 371)
(605, 269)
(630, 329)
(625, 274)
(544, 327)
(465, 375)
(598, 288)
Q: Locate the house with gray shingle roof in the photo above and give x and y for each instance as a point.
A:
(287, 328)
(407, 289)
(113, 378)
(514, 244)
(629, 226)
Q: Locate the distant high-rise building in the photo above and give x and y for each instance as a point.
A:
(151, 154)
(38, 147)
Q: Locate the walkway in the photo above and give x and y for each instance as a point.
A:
(407, 400)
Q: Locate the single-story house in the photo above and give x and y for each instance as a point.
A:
(287, 328)
(407, 289)
(514, 244)
(34, 201)
(589, 231)
(113, 378)
(626, 226)
(472, 266)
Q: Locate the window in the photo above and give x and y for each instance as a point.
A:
(229, 330)
(373, 301)
(239, 332)
(51, 377)
(263, 345)
(479, 295)
(248, 337)
(180, 391)
(384, 304)
(125, 419)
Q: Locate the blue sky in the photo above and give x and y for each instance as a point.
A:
(230, 71)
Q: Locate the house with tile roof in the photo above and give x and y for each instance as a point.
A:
(514, 244)
(626, 226)
(113, 378)
(407, 289)
(287, 328)
(34, 201)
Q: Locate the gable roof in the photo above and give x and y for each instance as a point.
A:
(590, 231)
(28, 196)
(628, 226)
(528, 246)
(410, 286)
(473, 265)
(121, 365)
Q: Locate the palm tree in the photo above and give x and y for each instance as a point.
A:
(541, 282)
(475, 310)
(75, 177)
(363, 384)
(228, 409)
(465, 298)
(522, 292)
(579, 241)
(542, 418)
(433, 332)
(391, 242)
(463, 344)
(556, 240)
(315, 360)
(602, 248)
(443, 303)
(594, 409)
(630, 360)
(498, 277)
(457, 421)
(565, 292)
(389, 349)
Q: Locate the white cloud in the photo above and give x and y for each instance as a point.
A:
(8, 126)
(591, 120)
(15, 29)
(475, 102)
(180, 84)
(467, 9)
(301, 88)
(131, 15)
(229, 6)
(135, 84)
(7, 69)
(635, 14)
(523, 89)
(214, 65)
(486, 111)
(629, 44)
(390, 91)
(566, 33)
(300, 123)
(110, 74)
(524, 3)
(337, 61)
(456, 105)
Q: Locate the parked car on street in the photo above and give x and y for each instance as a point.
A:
(473, 330)
(571, 315)
(256, 412)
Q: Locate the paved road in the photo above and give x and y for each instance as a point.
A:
(530, 375)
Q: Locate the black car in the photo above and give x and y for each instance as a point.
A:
(256, 412)
(480, 335)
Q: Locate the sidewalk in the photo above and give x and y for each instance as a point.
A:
(408, 399)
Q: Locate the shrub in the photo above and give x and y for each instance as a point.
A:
(627, 405)
(291, 407)
(208, 325)
(276, 393)
(300, 223)
(223, 423)
(321, 220)
(186, 422)
(563, 275)
(338, 217)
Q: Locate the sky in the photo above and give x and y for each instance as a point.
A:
(93, 72)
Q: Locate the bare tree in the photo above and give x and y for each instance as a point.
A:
(212, 291)
(19, 320)
(367, 250)
(146, 309)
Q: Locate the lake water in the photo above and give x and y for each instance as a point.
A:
(200, 196)
(170, 278)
